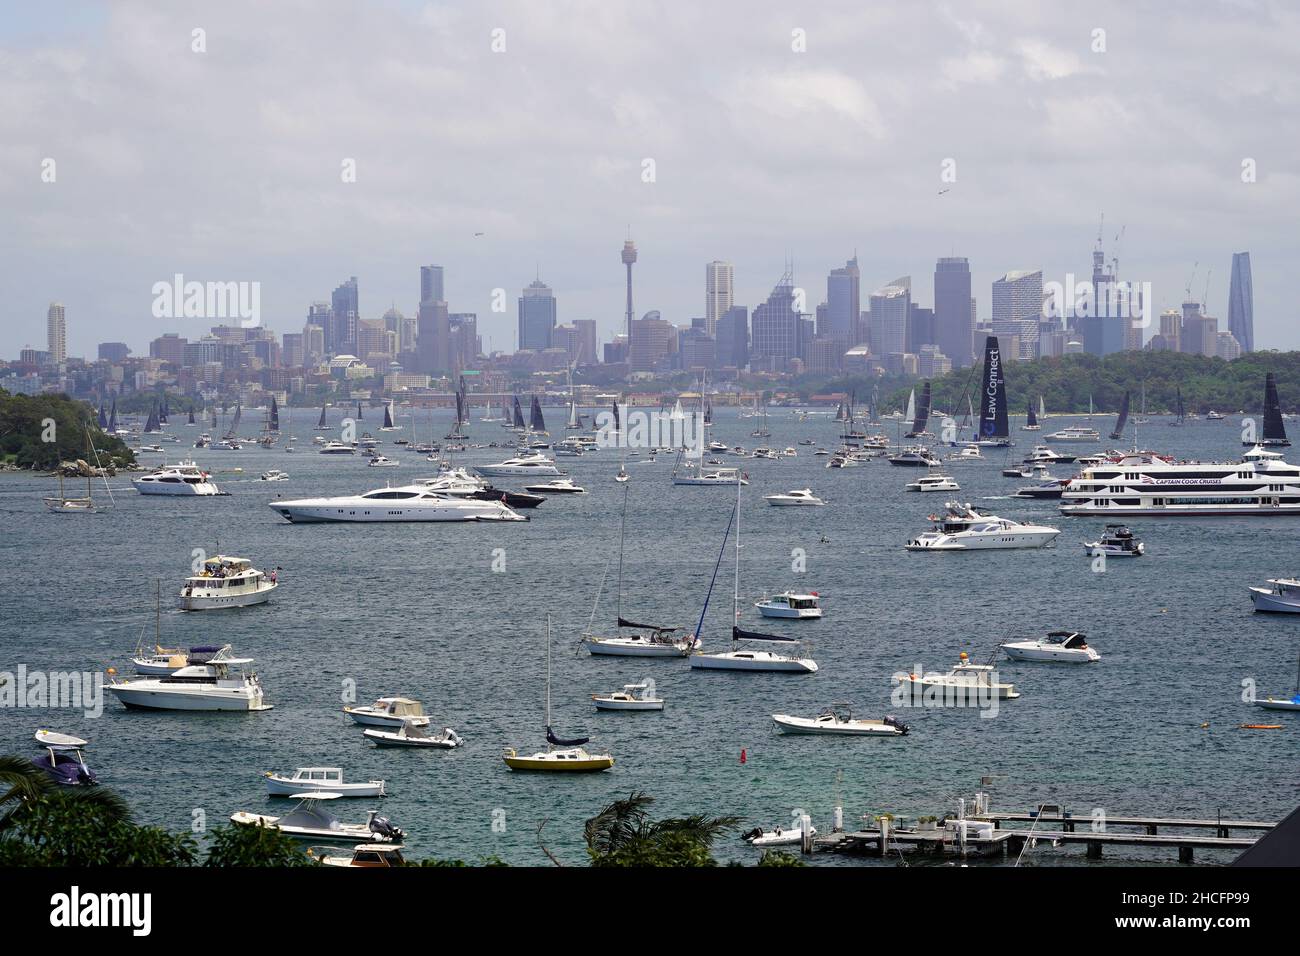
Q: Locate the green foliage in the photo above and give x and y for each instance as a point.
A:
(255, 846)
(86, 827)
(779, 858)
(624, 835)
(22, 429)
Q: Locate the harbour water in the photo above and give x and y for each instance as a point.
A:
(454, 615)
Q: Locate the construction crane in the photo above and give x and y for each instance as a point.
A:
(1187, 290)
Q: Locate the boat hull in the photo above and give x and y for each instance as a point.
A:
(1268, 602)
(1048, 656)
(220, 700)
(853, 728)
(729, 662)
(790, 613)
(377, 514)
(993, 542)
(613, 648)
(604, 703)
(283, 787)
(205, 603)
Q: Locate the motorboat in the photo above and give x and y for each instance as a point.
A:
(226, 581)
(394, 504)
(1064, 647)
(337, 448)
(164, 660)
(1075, 433)
(275, 474)
(182, 478)
(392, 712)
(1213, 416)
(631, 697)
(1117, 541)
(766, 454)
(798, 498)
(558, 486)
(933, 483)
(692, 474)
(1282, 596)
(535, 464)
(207, 686)
(62, 761)
(1049, 488)
(382, 461)
(914, 456)
(309, 820)
(306, 781)
(414, 735)
(790, 604)
(963, 528)
(150, 450)
(363, 856)
(1044, 455)
(839, 720)
(966, 453)
(778, 836)
(964, 685)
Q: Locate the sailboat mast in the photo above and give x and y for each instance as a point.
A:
(157, 613)
(548, 672)
(622, 528)
(735, 588)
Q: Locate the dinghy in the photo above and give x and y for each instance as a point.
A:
(414, 735)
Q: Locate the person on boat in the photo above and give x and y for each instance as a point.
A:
(273, 570)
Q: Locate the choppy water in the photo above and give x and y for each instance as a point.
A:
(418, 610)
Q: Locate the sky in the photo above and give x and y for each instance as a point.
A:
(508, 140)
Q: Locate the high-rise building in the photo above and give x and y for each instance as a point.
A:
(843, 302)
(291, 349)
(890, 307)
(168, 347)
(431, 284)
(718, 293)
(775, 329)
(56, 333)
(1226, 346)
(629, 257)
(313, 342)
(433, 338)
(1199, 333)
(587, 353)
(463, 340)
(920, 328)
(1241, 303)
(537, 315)
(954, 311)
(113, 351)
(345, 313)
(733, 338)
(651, 342)
(1017, 310)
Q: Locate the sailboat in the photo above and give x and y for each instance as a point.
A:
(321, 426)
(517, 421)
(103, 420)
(1042, 409)
(1031, 420)
(456, 433)
(271, 428)
(739, 658)
(65, 505)
(359, 417)
(1142, 412)
(1274, 430)
(230, 440)
(1122, 420)
(994, 430)
(191, 423)
(153, 425)
(570, 756)
(574, 421)
(646, 640)
(910, 414)
(112, 419)
(921, 415)
(388, 425)
(536, 423)
(1180, 413)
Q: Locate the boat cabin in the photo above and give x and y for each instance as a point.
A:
(796, 602)
(377, 855)
(318, 775)
(1071, 640)
(399, 707)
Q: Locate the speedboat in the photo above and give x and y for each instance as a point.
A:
(365, 856)
(964, 528)
(390, 712)
(62, 761)
(558, 486)
(382, 461)
(965, 684)
(1279, 703)
(536, 464)
(839, 720)
(915, 456)
(1213, 416)
(394, 504)
(1075, 433)
(309, 820)
(1044, 455)
(790, 604)
(308, 780)
(337, 448)
(796, 498)
(710, 476)
(933, 483)
(1047, 489)
(275, 474)
(414, 735)
(1117, 541)
(206, 686)
(226, 582)
(966, 453)
(779, 836)
(631, 697)
(182, 478)
(1065, 647)
(1282, 596)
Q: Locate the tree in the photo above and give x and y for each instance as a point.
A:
(255, 846)
(623, 834)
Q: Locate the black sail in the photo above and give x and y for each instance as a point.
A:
(103, 419)
(537, 422)
(273, 422)
(359, 418)
(1123, 418)
(321, 423)
(993, 394)
(519, 414)
(922, 412)
(1031, 417)
(1274, 430)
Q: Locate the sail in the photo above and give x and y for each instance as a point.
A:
(708, 412)
(321, 423)
(993, 396)
(388, 415)
(1181, 412)
(214, 416)
(191, 414)
(737, 634)
(162, 413)
(564, 741)
(911, 405)
(273, 421)
(1042, 408)
(1123, 418)
(234, 423)
(359, 418)
(573, 415)
(151, 424)
(1274, 430)
(519, 414)
(103, 419)
(460, 410)
(922, 417)
(1030, 418)
(616, 424)
(536, 422)
(624, 622)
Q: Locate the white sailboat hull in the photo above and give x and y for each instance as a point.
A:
(753, 661)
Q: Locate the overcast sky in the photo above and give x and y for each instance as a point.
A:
(226, 164)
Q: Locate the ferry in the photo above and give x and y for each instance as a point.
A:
(1143, 483)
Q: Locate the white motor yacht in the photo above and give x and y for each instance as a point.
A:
(558, 486)
(966, 453)
(1117, 541)
(394, 504)
(964, 685)
(308, 780)
(337, 448)
(226, 582)
(382, 461)
(1282, 596)
(1065, 647)
(963, 528)
(790, 604)
(182, 478)
(275, 474)
(631, 697)
(390, 712)
(1044, 455)
(694, 475)
(801, 497)
(915, 456)
(933, 483)
(206, 686)
(839, 720)
(1075, 433)
(528, 465)
(309, 820)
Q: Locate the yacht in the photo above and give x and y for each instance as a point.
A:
(382, 461)
(914, 456)
(394, 504)
(632, 697)
(642, 642)
(311, 821)
(802, 497)
(389, 712)
(1117, 541)
(1144, 483)
(1075, 433)
(790, 604)
(536, 464)
(557, 486)
(839, 720)
(206, 686)
(182, 478)
(337, 448)
(965, 684)
(1042, 454)
(966, 453)
(275, 474)
(1213, 416)
(226, 582)
(1282, 596)
(933, 483)
(693, 475)
(1047, 487)
(964, 528)
(308, 780)
(1063, 647)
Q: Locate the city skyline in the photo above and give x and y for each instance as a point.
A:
(866, 144)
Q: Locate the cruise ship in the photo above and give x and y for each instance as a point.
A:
(1143, 483)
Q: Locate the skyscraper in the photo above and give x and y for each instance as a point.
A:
(890, 307)
(775, 328)
(1241, 303)
(629, 257)
(733, 338)
(954, 311)
(431, 284)
(433, 338)
(718, 293)
(345, 312)
(537, 314)
(56, 333)
(1017, 308)
(843, 302)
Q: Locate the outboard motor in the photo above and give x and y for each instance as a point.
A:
(895, 722)
(382, 828)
